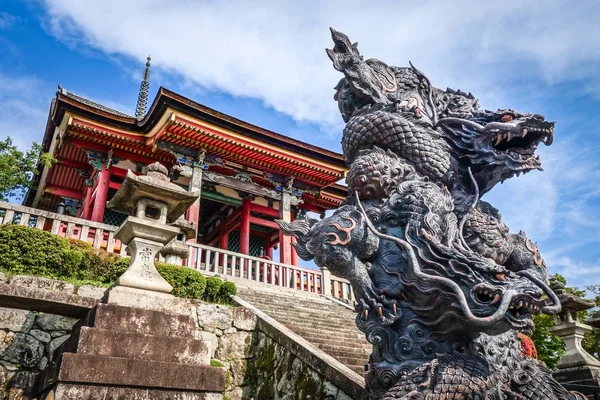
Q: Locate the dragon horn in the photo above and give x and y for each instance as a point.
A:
(342, 50)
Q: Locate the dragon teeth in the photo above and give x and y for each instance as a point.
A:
(524, 133)
(498, 139)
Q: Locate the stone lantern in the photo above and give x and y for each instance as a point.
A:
(153, 203)
(177, 249)
(576, 366)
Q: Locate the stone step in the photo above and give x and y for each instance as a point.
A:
(327, 325)
(105, 342)
(333, 309)
(274, 291)
(332, 326)
(351, 342)
(300, 297)
(338, 345)
(127, 319)
(341, 334)
(353, 360)
(104, 370)
(301, 317)
(348, 353)
(330, 308)
(359, 369)
(320, 336)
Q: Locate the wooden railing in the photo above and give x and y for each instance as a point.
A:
(100, 236)
(211, 260)
(206, 259)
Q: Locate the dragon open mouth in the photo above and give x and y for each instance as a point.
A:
(521, 307)
(521, 144)
(524, 306)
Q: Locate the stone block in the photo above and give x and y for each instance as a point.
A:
(3, 277)
(127, 319)
(144, 299)
(45, 300)
(211, 340)
(55, 344)
(53, 322)
(235, 394)
(214, 316)
(22, 349)
(77, 392)
(235, 345)
(104, 342)
(102, 370)
(37, 282)
(42, 336)
(67, 391)
(16, 320)
(93, 292)
(238, 371)
(244, 319)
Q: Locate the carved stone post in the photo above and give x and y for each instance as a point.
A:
(195, 185)
(285, 242)
(177, 250)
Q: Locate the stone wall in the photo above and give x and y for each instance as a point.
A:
(27, 341)
(257, 365)
(229, 332)
(276, 373)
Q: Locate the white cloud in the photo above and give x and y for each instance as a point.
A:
(24, 112)
(7, 20)
(274, 51)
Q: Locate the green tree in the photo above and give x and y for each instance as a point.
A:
(17, 168)
(550, 347)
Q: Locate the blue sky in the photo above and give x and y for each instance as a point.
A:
(264, 62)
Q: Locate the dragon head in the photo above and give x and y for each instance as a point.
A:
(498, 145)
(438, 281)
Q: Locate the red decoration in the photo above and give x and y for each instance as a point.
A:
(529, 349)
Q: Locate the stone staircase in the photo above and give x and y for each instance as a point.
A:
(324, 323)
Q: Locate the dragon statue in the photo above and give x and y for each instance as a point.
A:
(443, 289)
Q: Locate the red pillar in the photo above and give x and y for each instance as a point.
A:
(294, 254)
(293, 249)
(223, 236)
(285, 249)
(245, 228)
(86, 212)
(269, 252)
(101, 194)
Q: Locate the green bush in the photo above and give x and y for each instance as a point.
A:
(226, 292)
(186, 282)
(31, 251)
(213, 286)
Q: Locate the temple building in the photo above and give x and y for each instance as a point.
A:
(248, 176)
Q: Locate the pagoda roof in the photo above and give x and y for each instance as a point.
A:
(93, 104)
(165, 99)
(77, 125)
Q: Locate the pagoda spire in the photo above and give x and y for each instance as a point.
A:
(142, 102)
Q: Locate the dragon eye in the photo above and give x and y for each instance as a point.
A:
(506, 118)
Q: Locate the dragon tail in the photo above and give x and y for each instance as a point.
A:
(302, 231)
